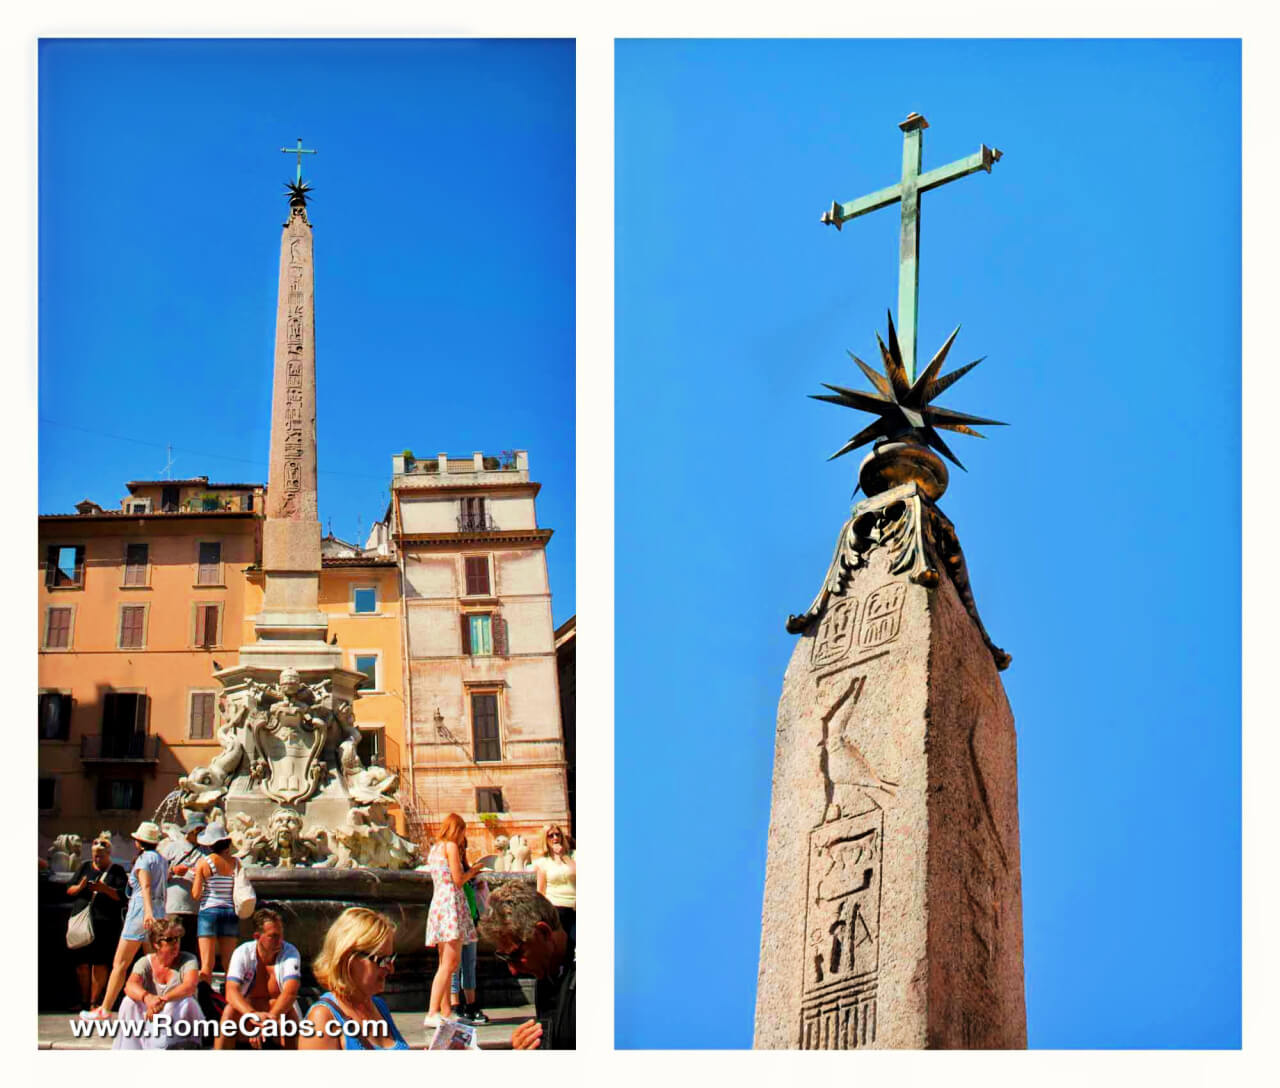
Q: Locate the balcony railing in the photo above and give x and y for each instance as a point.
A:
(133, 748)
(475, 522)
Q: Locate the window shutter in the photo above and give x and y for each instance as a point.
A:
(135, 565)
(484, 726)
(210, 560)
(79, 573)
(466, 634)
(140, 722)
(206, 625)
(477, 575)
(51, 565)
(499, 635)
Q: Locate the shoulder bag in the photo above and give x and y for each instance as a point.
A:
(242, 894)
(80, 927)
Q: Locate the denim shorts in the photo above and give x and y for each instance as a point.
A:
(136, 916)
(217, 922)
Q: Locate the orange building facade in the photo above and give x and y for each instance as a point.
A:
(135, 606)
(139, 606)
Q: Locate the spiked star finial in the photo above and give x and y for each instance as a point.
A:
(904, 407)
(299, 192)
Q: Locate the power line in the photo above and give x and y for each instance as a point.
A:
(198, 453)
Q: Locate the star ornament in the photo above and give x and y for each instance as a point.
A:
(299, 192)
(903, 408)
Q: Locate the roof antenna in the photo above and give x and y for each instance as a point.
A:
(169, 465)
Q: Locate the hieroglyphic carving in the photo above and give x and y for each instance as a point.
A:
(882, 618)
(842, 904)
(918, 538)
(842, 931)
(294, 422)
(835, 633)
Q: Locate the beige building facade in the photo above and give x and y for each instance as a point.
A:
(484, 737)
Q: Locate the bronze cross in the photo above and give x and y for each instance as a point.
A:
(299, 151)
(908, 191)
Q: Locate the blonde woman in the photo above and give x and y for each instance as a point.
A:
(163, 981)
(558, 874)
(449, 924)
(353, 964)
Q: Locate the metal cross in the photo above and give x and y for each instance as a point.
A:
(299, 151)
(908, 191)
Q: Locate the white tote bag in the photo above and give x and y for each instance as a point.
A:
(80, 928)
(243, 895)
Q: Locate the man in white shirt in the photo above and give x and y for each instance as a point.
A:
(262, 985)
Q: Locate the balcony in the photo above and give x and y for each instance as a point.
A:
(130, 748)
(470, 523)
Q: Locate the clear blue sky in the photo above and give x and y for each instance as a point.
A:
(1098, 269)
(444, 242)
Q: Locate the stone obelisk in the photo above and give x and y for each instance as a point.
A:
(293, 760)
(893, 897)
(291, 629)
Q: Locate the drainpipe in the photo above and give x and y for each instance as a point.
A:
(406, 679)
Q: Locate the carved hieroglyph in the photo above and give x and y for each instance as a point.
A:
(892, 913)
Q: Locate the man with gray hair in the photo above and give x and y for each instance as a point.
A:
(525, 929)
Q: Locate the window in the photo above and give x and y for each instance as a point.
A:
(477, 634)
(201, 727)
(139, 506)
(364, 599)
(206, 632)
(169, 499)
(64, 565)
(124, 724)
(133, 619)
(477, 575)
(372, 748)
(120, 793)
(368, 664)
(47, 792)
(210, 570)
(246, 501)
(489, 800)
(472, 514)
(55, 715)
(484, 727)
(57, 629)
(135, 564)
(483, 633)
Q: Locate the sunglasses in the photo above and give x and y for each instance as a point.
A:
(513, 958)
(553, 837)
(380, 961)
(169, 940)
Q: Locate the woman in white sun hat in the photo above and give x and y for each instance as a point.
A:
(146, 889)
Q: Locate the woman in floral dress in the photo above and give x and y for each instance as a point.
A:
(449, 923)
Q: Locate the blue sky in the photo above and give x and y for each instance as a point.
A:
(1098, 270)
(444, 242)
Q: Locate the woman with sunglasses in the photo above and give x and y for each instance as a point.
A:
(449, 924)
(354, 963)
(163, 982)
(558, 874)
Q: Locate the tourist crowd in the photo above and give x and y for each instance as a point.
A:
(138, 936)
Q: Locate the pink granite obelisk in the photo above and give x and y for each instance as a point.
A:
(893, 893)
(291, 624)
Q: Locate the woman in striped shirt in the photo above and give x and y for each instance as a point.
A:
(217, 926)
